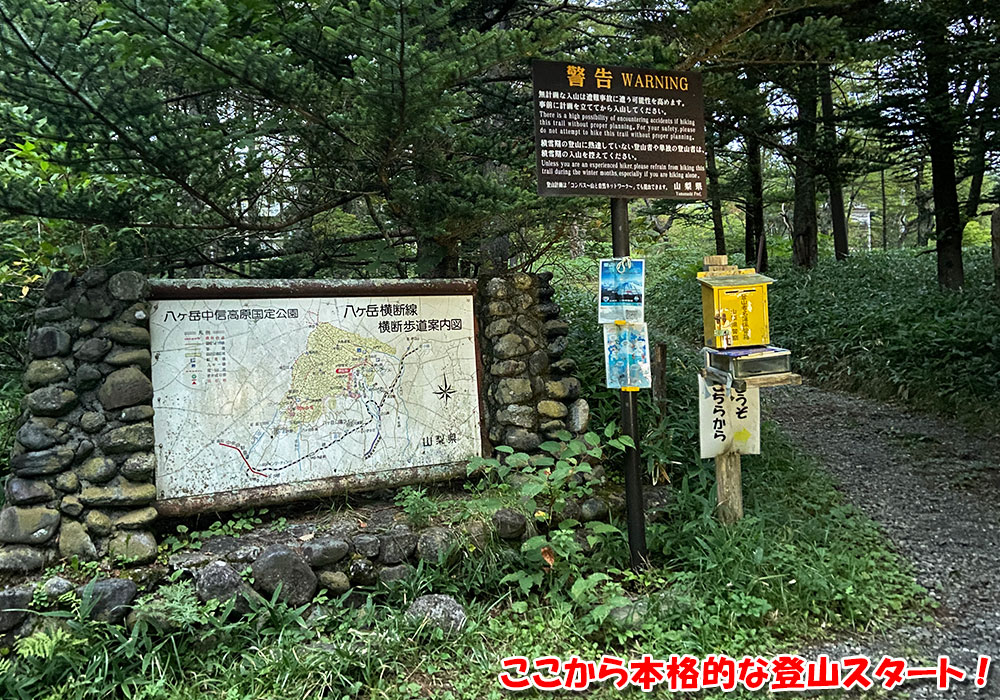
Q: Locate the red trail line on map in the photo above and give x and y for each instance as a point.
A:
(234, 447)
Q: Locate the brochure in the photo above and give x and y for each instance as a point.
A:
(622, 290)
(626, 356)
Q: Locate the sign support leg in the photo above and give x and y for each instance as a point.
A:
(634, 506)
(729, 487)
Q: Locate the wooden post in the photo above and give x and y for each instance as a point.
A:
(658, 369)
(728, 478)
(729, 487)
(635, 508)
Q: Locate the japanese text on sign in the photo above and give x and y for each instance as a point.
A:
(729, 420)
(685, 673)
(342, 390)
(618, 132)
(242, 314)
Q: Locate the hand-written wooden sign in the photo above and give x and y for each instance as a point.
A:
(618, 132)
(729, 421)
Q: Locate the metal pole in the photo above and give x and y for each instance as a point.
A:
(619, 228)
(634, 506)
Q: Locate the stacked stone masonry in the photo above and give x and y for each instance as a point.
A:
(82, 467)
(82, 464)
(353, 553)
(531, 393)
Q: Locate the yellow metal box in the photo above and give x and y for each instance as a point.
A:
(734, 308)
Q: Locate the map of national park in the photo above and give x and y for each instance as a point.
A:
(267, 392)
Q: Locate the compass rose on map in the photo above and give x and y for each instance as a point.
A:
(445, 391)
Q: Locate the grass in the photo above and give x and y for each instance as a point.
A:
(802, 566)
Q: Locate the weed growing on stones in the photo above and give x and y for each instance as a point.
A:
(419, 508)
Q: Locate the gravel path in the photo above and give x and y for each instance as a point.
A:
(935, 491)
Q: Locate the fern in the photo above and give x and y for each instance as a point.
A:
(45, 644)
(176, 604)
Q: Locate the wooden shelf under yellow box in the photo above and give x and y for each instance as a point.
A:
(734, 308)
(714, 376)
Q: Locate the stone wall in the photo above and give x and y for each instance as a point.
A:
(372, 546)
(82, 466)
(531, 393)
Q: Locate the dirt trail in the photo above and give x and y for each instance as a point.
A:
(935, 491)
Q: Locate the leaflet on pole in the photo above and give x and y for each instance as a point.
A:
(626, 356)
(728, 420)
(622, 290)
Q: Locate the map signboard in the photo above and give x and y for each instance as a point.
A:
(612, 131)
(270, 398)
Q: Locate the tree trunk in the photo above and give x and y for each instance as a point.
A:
(576, 244)
(715, 199)
(840, 245)
(494, 252)
(978, 147)
(440, 258)
(977, 164)
(805, 242)
(925, 216)
(995, 246)
(761, 265)
(755, 199)
(885, 215)
(940, 134)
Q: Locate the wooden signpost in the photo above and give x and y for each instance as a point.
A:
(738, 362)
(618, 132)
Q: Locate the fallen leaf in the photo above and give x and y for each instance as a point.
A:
(548, 555)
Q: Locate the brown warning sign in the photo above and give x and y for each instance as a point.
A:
(611, 131)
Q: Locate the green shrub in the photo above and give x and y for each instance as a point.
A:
(879, 324)
(419, 508)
